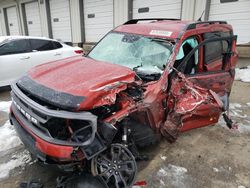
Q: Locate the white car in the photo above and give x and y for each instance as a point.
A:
(19, 53)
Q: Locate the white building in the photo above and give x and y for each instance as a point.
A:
(87, 21)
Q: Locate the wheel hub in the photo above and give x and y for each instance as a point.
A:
(116, 166)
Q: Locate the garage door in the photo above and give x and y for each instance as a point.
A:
(236, 13)
(98, 19)
(13, 24)
(156, 9)
(1, 29)
(33, 19)
(60, 20)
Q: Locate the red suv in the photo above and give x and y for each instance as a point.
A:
(145, 79)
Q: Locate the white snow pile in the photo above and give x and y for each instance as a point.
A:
(5, 106)
(224, 169)
(175, 176)
(242, 128)
(17, 160)
(8, 137)
(243, 74)
(241, 120)
(163, 157)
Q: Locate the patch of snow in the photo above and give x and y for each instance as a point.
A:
(242, 74)
(215, 169)
(162, 172)
(235, 113)
(174, 175)
(9, 138)
(162, 183)
(233, 106)
(172, 169)
(241, 186)
(223, 169)
(243, 128)
(17, 160)
(5, 106)
(248, 103)
(163, 157)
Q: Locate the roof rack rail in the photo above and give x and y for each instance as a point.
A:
(135, 21)
(193, 25)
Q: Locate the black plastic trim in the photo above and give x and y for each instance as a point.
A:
(135, 21)
(48, 95)
(193, 25)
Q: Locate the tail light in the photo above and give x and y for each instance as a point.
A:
(79, 51)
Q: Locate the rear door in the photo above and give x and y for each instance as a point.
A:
(198, 96)
(14, 60)
(44, 51)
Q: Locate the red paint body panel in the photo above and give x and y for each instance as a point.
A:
(81, 76)
(183, 103)
(145, 28)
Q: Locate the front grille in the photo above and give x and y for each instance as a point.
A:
(56, 126)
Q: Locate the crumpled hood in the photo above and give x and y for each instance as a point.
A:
(95, 81)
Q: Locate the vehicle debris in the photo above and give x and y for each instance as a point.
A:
(93, 113)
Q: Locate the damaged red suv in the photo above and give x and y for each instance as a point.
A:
(145, 79)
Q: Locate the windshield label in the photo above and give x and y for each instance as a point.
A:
(160, 33)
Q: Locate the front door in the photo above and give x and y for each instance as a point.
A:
(199, 92)
(14, 60)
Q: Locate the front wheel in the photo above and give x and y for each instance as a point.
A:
(116, 165)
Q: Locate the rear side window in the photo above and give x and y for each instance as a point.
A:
(41, 45)
(57, 45)
(214, 50)
(15, 47)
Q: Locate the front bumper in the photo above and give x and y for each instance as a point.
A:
(28, 117)
(41, 149)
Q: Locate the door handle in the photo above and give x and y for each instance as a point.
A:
(58, 53)
(25, 57)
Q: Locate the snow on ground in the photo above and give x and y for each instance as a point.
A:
(242, 74)
(10, 140)
(17, 160)
(172, 174)
(8, 137)
(242, 128)
(242, 121)
(5, 106)
(163, 157)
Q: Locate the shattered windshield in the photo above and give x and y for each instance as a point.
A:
(146, 56)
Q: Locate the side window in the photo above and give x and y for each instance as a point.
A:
(57, 45)
(15, 47)
(216, 65)
(214, 51)
(41, 45)
(191, 65)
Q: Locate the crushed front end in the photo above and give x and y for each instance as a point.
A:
(54, 136)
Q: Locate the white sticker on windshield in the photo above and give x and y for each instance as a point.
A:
(161, 33)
